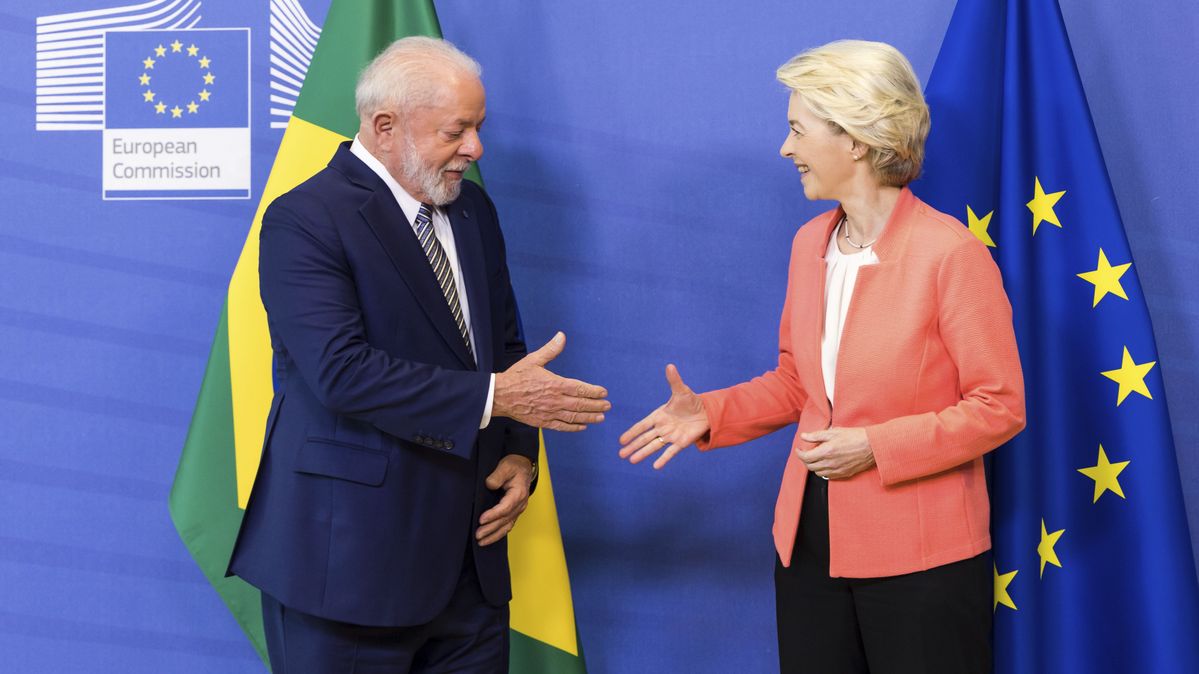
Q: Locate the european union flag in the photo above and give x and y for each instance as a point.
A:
(177, 79)
(1093, 564)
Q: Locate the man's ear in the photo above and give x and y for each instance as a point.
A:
(384, 124)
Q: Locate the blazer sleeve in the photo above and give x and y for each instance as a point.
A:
(975, 323)
(314, 313)
(764, 404)
(518, 438)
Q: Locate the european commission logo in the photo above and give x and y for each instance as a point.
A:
(171, 97)
(177, 114)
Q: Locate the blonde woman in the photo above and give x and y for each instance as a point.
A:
(898, 361)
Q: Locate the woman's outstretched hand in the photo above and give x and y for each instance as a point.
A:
(673, 426)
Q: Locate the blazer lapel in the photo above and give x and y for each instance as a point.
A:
(470, 259)
(390, 226)
(873, 302)
(809, 309)
(386, 219)
(808, 325)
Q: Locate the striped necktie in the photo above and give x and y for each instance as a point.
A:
(441, 269)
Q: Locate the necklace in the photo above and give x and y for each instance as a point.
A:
(845, 228)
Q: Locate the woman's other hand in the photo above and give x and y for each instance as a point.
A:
(839, 453)
(673, 426)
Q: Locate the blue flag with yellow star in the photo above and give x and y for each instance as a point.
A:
(1093, 564)
(171, 79)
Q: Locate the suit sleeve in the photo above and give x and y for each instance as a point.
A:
(518, 438)
(313, 310)
(975, 323)
(762, 405)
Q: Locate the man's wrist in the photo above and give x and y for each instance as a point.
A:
(497, 399)
(489, 406)
(532, 469)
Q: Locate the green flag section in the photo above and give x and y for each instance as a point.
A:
(530, 655)
(220, 457)
(203, 499)
(357, 31)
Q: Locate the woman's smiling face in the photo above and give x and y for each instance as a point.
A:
(823, 156)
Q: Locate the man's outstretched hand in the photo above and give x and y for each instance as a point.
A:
(531, 394)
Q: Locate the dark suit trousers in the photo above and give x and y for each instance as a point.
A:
(926, 622)
(470, 636)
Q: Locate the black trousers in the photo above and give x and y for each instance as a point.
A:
(926, 622)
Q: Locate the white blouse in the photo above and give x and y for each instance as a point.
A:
(839, 279)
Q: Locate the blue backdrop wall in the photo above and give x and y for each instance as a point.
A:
(632, 150)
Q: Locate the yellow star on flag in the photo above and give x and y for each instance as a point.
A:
(1002, 580)
(176, 111)
(1105, 474)
(192, 50)
(160, 107)
(1045, 548)
(1042, 206)
(148, 64)
(1106, 278)
(160, 51)
(148, 96)
(205, 94)
(209, 78)
(1130, 377)
(978, 226)
(144, 79)
(192, 108)
(176, 46)
(204, 61)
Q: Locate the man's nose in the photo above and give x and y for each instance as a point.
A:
(472, 146)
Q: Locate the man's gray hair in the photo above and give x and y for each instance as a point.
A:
(409, 74)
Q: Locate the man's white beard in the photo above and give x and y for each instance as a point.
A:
(428, 179)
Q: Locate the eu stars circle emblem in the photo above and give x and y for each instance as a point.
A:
(183, 76)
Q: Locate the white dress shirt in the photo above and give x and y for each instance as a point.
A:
(445, 236)
(839, 279)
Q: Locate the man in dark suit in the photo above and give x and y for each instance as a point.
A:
(401, 443)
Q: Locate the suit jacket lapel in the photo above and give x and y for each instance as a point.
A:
(386, 219)
(390, 226)
(470, 259)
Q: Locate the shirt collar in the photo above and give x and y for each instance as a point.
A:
(407, 202)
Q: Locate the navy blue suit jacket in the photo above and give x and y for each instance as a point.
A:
(372, 475)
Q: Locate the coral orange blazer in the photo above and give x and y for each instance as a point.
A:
(928, 365)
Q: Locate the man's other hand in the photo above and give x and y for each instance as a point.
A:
(514, 475)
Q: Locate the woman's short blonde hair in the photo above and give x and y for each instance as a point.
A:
(868, 90)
